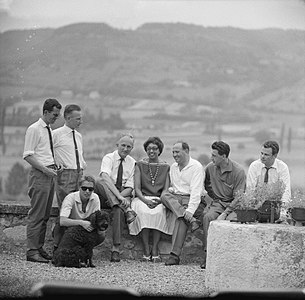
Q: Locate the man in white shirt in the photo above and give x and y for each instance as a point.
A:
(69, 154)
(115, 191)
(268, 168)
(38, 152)
(184, 197)
(68, 150)
(79, 205)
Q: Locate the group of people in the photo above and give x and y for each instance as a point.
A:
(149, 195)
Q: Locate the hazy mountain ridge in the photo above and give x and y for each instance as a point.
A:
(160, 60)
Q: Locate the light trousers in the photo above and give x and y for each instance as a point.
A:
(109, 200)
(178, 204)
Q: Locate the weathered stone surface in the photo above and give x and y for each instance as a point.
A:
(13, 237)
(254, 256)
(17, 233)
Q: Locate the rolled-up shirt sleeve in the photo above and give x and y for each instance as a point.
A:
(31, 140)
(106, 165)
(66, 207)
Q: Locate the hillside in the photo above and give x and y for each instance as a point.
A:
(218, 67)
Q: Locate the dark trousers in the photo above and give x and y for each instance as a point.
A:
(41, 193)
(109, 200)
(178, 204)
(67, 182)
(214, 209)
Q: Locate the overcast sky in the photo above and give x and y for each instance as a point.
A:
(130, 14)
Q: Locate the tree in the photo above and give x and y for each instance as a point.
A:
(16, 180)
(289, 139)
(262, 135)
(4, 104)
(204, 159)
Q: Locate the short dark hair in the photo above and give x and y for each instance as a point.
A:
(222, 148)
(49, 104)
(70, 108)
(88, 178)
(154, 140)
(273, 145)
(184, 145)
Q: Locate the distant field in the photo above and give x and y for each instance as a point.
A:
(239, 136)
(199, 143)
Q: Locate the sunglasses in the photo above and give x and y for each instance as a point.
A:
(85, 188)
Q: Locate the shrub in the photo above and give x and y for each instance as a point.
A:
(262, 135)
(16, 179)
(254, 198)
(297, 200)
(204, 159)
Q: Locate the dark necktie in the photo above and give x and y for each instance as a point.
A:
(50, 139)
(266, 174)
(76, 152)
(119, 178)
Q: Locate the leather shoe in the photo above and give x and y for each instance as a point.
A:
(130, 216)
(194, 225)
(172, 260)
(36, 258)
(44, 254)
(115, 256)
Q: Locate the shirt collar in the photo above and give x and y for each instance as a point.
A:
(117, 156)
(67, 129)
(77, 199)
(274, 165)
(227, 168)
(190, 163)
(42, 122)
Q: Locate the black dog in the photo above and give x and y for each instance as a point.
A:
(76, 246)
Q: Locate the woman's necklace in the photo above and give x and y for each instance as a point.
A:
(153, 177)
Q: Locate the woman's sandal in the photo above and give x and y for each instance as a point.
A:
(146, 258)
(156, 259)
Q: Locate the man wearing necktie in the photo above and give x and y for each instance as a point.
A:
(68, 149)
(114, 188)
(268, 169)
(38, 152)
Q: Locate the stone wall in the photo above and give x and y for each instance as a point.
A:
(13, 237)
(255, 256)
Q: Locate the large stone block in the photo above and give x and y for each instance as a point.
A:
(255, 256)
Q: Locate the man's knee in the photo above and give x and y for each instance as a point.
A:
(166, 197)
(209, 216)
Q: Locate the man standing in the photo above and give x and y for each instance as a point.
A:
(115, 187)
(184, 197)
(268, 168)
(39, 153)
(68, 149)
(224, 177)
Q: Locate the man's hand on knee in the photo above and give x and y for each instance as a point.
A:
(188, 216)
(222, 216)
(125, 202)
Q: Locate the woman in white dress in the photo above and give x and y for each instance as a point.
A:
(151, 180)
